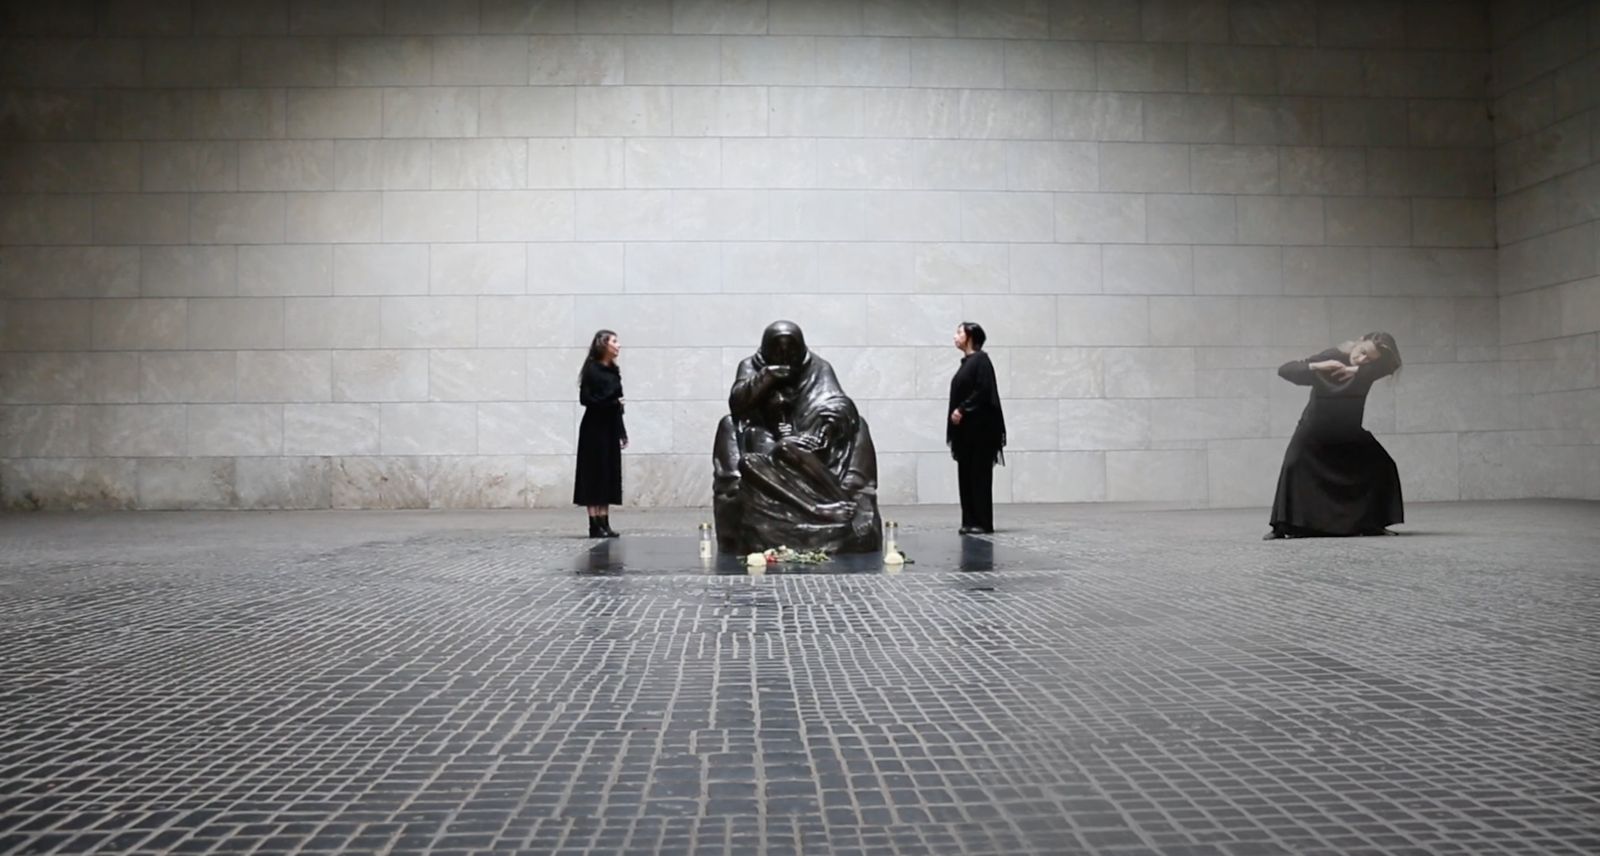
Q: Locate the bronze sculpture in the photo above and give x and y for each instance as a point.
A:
(793, 463)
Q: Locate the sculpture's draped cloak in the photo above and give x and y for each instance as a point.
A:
(792, 498)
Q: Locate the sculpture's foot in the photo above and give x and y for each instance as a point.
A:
(838, 512)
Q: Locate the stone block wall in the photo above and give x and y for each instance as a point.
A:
(283, 253)
(1547, 165)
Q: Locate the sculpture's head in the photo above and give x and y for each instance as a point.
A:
(783, 344)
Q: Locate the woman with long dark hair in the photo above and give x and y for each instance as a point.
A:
(601, 436)
(975, 429)
(1336, 478)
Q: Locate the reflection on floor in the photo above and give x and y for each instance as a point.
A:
(674, 554)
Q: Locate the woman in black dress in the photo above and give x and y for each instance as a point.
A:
(601, 436)
(976, 430)
(1336, 478)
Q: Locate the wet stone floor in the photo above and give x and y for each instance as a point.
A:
(1088, 680)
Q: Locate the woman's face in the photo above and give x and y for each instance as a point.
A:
(961, 337)
(1364, 352)
(613, 348)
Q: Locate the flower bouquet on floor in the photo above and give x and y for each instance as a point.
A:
(786, 556)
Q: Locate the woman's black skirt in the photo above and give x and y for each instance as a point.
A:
(1337, 486)
(599, 477)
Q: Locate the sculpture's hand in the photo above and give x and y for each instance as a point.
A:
(772, 374)
(790, 447)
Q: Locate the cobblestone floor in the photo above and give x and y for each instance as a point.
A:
(1123, 681)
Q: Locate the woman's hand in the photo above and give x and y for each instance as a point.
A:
(1335, 370)
(624, 442)
(955, 416)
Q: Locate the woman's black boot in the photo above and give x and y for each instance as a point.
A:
(594, 527)
(605, 527)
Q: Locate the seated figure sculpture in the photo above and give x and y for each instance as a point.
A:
(793, 463)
